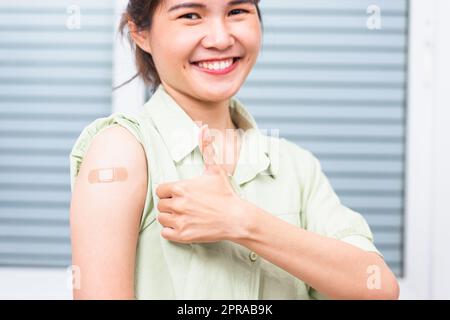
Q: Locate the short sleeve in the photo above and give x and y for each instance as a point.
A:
(324, 212)
(326, 215)
(81, 146)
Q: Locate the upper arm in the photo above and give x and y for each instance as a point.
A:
(105, 217)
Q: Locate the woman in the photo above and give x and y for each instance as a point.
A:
(188, 200)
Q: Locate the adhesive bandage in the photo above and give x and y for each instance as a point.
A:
(107, 175)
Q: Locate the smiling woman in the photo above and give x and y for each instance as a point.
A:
(140, 16)
(210, 208)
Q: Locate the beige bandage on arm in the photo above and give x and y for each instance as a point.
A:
(107, 175)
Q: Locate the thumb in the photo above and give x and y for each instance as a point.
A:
(207, 149)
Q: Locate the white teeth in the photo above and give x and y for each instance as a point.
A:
(217, 65)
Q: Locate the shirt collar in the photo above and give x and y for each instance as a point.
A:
(180, 134)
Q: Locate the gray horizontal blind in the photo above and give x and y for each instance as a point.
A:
(336, 88)
(54, 80)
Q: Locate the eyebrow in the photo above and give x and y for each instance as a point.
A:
(201, 5)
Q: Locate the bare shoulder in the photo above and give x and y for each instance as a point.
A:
(116, 144)
(114, 150)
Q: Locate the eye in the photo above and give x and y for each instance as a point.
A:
(190, 16)
(237, 11)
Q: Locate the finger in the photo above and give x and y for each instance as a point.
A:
(165, 190)
(166, 220)
(169, 234)
(207, 149)
(165, 205)
(205, 143)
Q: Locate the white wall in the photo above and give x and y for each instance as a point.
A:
(427, 257)
(440, 268)
(28, 283)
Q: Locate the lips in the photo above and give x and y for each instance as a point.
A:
(217, 66)
(218, 59)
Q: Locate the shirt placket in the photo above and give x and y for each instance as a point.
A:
(252, 259)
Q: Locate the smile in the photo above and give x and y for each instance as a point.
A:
(218, 67)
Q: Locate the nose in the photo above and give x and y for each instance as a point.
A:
(218, 36)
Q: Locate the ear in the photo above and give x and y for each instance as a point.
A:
(140, 37)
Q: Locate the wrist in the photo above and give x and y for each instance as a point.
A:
(243, 220)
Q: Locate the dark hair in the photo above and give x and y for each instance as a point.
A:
(141, 12)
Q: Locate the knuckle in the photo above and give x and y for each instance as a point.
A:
(168, 234)
(183, 227)
(186, 236)
(179, 189)
(159, 206)
(179, 204)
(160, 218)
(158, 191)
(181, 224)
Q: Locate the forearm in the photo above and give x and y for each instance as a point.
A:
(336, 269)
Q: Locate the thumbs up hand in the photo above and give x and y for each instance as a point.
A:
(205, 208)
(207, 150)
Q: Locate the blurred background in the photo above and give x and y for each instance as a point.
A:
(365, 86)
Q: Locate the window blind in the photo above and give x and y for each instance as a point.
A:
(337, 88)
(55, 78)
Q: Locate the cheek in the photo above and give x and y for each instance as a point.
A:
(174, 51)
(251, 38)
(170, 46)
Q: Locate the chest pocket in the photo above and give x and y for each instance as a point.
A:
(280, 198)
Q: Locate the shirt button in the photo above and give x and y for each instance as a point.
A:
(253, 256)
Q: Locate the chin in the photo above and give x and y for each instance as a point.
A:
(217, 93)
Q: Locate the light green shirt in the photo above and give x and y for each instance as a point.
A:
(275, 174)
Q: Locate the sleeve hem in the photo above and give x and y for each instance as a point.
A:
(362, 242)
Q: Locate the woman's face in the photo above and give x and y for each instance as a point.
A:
(205, 48)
